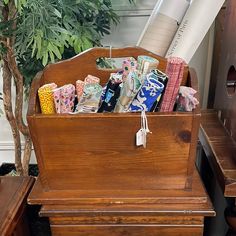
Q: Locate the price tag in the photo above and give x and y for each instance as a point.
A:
(141, 135)
(139, 138)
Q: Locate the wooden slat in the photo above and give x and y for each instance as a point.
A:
(220, 149)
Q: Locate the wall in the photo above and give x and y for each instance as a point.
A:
(132, 21)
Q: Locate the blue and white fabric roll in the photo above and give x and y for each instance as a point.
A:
(148, 94)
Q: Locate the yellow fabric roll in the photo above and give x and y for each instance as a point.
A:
(46, 98)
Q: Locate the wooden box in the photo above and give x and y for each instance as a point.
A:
(95, 154)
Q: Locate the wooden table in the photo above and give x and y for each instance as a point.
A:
(166, 212)
(13, 199)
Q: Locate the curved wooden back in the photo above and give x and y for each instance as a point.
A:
(78, 67)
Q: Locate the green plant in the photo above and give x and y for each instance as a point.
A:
(34, 33)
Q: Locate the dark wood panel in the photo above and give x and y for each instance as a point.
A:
(101, 218)
(125, 231)
(220, 149)
(224, 100)
(76, 197)
(13, 194)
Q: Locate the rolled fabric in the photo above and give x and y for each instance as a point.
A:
(79, 88)
(112, 93)
(146, 64)
(90, 79)
(129, 89)
(186, 100)
(67, 98)
(148, 94)
(57, 99)
(175, 72)
(162, 77)
(46, 100)
(90, 100)
(129, 64)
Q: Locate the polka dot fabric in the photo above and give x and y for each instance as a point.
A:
(46, 98)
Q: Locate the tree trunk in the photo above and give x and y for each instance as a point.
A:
(19, 83)
(7, 97)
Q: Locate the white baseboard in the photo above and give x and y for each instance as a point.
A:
(7, 153)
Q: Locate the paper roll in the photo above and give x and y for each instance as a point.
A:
(193, 28)
(162, 25)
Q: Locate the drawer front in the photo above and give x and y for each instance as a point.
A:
(125, 231)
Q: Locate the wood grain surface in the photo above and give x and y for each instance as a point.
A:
(161, 212)
(97, 152)
(220, 149)
(13, 195)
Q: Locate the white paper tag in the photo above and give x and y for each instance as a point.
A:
(140, 138)
(141, 135)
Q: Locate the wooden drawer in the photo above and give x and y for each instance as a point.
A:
(97, 152)
(114, 230)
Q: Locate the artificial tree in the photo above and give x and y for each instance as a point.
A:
(34, 33)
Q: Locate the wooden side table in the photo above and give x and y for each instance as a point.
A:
(13, 199)
(165, 212)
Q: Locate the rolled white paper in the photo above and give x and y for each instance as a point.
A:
(162, 25)
(195, 24)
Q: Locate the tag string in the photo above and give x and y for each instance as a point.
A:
(144, 122)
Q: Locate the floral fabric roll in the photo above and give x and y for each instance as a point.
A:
(148, 94)
(129, 65)
(129, 89)
(67, 98)
(89, 102)
(90, 79)
(146, 64)
(186, 100)
(46, 98)
(64, 98)
(79, 88)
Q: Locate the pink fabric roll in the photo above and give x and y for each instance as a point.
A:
(90, 79)
(79, 88)
(129, 65)
(67, 98)
(64, 98)
(175, 72)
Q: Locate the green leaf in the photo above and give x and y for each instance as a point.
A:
(45, 59)
(57, 13)
(52, 58)
(55, 50)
